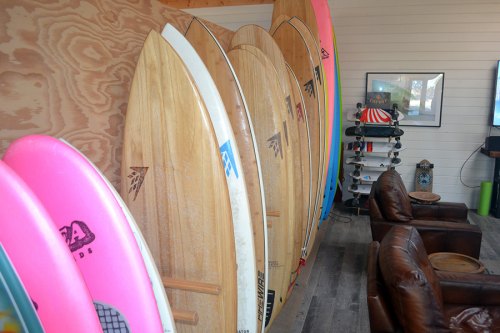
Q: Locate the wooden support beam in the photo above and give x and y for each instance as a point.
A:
(182, 4)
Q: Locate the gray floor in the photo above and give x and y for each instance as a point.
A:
(330, 293)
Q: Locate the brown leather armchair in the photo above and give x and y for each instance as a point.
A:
(405, 294)
(443, 226)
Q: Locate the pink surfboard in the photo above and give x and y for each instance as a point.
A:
(324, 20)
(95, 229)
(42, 260)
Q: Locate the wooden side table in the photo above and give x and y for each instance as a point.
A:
(455, 262)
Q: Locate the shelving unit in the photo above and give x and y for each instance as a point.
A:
(376, 149)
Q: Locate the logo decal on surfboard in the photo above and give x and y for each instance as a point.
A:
(285, 129)
(77, 235)
(228, 159)
(260, 294)
(275, 143)
(112, 321)
(318, 74)
(309, 86)
(288, 102)
(136, 179)
(324, 54)
(270, 305)
(300, 112)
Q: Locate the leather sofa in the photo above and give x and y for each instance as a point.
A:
(405, 294)
(443, 226)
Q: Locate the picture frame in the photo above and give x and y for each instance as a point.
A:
(419, 96)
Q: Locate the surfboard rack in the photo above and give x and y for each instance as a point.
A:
(193, 286)
(188, 317)
(273, 213)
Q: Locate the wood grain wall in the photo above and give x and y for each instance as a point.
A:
(66, 68)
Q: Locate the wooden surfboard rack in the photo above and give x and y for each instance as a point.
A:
(194, 286)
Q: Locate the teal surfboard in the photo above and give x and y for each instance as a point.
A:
(334, 163)
(17, 312)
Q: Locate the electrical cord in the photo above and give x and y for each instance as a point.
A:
(461, 169)
(340, 218)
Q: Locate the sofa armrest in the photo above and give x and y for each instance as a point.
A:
(443, 211)
(438, 236)
(470, 289)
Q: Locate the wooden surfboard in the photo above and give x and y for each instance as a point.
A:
(242, 223)
(215, 59)
(264, 99)
(312, 45)
(46, 266)
(94, 227)
(257, 40)
(305, 151)
(19, 314)
(291, 144)
(174, 183)
(297, 55)
(302, 9)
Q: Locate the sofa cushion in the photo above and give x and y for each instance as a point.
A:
(411, 282)
(393, 198)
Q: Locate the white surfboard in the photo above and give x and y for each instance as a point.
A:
(245, 114)
(243, 235)
(167, 320)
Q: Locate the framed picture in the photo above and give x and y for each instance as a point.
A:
(419, 96)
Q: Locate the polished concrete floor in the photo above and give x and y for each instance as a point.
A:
(330, 293)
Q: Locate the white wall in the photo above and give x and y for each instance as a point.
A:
(458, 37)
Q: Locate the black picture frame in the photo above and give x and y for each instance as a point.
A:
(419, 96)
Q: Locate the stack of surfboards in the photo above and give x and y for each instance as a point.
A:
(230, 157)
(230, 163)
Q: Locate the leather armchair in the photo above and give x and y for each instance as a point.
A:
(405, 294)
(443, 226)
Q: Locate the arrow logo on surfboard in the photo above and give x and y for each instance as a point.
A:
(324, 54)
(300, 112)
(275, 144)
(228, 159)
(288, 102)
(309, 86)
(136, 179)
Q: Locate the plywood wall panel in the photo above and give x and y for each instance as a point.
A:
(66, 69)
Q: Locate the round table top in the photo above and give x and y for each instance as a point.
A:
(455, 262)
(425, 197)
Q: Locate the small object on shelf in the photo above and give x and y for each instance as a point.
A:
(425, 197)
(374, 131)
(372, 161)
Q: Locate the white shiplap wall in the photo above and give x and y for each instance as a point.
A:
(458, 37)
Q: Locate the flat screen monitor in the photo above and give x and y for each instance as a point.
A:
(496, 101)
